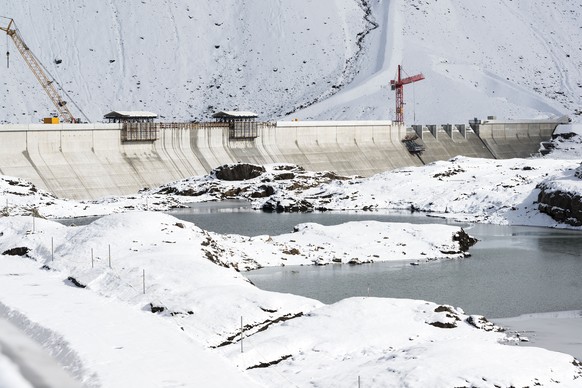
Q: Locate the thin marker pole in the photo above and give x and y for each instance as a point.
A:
(109, 255)
(241, 335)
(52, 249)
(33, 224)
(92, 261)
(143, 281)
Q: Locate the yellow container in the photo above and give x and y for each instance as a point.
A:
(51, 120)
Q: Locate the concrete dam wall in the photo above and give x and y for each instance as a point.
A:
(88, 161)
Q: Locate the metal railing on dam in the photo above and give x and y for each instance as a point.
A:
(87, 161)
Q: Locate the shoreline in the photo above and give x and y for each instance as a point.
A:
(558, 331)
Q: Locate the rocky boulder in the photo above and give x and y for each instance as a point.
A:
(238, 172)
(562, 206)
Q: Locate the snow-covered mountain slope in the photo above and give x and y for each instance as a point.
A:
(505, 58)
(308, 59)
(181, 59)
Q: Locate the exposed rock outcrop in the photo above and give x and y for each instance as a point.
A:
(465, 241)
(562, 206)
(238, 172)
(287, 206)
(17, 251)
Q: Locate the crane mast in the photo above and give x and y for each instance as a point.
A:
(37, 69)
(398, 86)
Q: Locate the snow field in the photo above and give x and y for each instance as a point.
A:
(389, 342)
(117, 345)
(194, 300)
(180, 277)
(10, 375)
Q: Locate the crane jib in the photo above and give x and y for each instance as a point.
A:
(37, 69)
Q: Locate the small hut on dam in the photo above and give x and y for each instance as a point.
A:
(130, 117)
(136, 126)
(241, 125)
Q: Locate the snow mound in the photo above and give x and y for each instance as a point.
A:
(390, 342)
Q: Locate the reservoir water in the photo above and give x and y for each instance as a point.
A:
(513, 270)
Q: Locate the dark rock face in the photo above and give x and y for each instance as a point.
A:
(75, 282)
(284, 176)
(560, 205)
(238, 172)
(18, 251)
(444, 325)
(188, 192)
(292, 207)
(480, 322)
(451, 314)
(465, 241)
(156, 309)
(263, 191)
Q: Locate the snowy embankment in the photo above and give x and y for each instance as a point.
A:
(466, 189)
(195, 299)
(20, 197)
(397, 343)
(104, 342)
(10, 375)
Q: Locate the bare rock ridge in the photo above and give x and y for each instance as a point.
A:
(562, 206)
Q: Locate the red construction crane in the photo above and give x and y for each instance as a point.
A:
(398, 85)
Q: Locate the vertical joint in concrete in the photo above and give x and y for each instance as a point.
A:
(448, 129)
(462, 130)
(418, 130)
(433, 129)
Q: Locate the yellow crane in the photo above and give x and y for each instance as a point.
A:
(37, 69)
